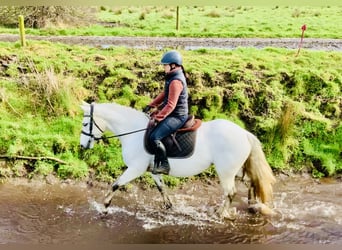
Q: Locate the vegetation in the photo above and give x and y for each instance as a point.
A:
(293, 104)
(195, 21)
(46, 16)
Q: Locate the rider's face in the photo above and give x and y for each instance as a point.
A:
(167, 68)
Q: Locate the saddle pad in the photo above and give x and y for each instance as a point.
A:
(180, 144)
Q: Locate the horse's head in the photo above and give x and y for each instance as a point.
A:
(91, 130)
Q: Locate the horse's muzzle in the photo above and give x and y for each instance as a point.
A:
(82, 147)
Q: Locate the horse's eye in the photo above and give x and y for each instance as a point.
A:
(85, 124)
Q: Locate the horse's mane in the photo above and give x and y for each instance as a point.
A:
(124, 111)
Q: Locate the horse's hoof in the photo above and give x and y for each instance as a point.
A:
(262, 209)
(227, 214)
(253, 209)
(231, 214)
(167, 205)
(106, 203)
(211, 211)
(265, 210)
(104, 213)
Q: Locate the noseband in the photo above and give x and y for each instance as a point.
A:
(91, 124)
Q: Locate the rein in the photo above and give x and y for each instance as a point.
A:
(92, 122)
(123, 134)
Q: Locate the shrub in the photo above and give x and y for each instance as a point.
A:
(43, 16)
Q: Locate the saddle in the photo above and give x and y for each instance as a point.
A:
(179, 144)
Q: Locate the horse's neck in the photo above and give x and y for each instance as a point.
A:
(121, 119)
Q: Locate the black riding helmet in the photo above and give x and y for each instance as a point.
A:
(172, 57)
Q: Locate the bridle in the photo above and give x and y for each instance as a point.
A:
(103, 137)
(91, 125)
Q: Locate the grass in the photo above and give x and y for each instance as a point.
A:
(293, 104)
(208, 21)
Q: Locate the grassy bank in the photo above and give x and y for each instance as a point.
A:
(205, 21)
(293, 104)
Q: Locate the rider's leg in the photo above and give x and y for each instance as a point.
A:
(163, 129)
(161, 164)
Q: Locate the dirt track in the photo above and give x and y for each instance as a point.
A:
(187, 43)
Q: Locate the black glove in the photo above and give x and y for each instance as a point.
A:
(147, 108)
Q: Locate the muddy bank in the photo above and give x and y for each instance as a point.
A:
(186, 42)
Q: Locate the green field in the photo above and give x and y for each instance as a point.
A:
(206, 21)
(293, 104)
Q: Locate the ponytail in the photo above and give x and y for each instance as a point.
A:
(184, 73)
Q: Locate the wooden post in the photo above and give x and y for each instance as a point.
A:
(22, 31)
(177, 20)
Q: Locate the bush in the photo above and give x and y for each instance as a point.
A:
(52, 94)
(43, 16)
(76, 170)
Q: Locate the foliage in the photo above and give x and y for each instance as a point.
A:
(293, 104)
(45, 16)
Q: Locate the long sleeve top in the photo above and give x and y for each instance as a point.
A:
(175, 89)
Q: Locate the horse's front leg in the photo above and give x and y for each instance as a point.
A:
(129, 174)
(160, 185)
(225, 211)
(110, 194)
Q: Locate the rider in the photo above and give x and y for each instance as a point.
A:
(172, 108)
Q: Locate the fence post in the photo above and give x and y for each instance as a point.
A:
(177, 20)
(22, 31)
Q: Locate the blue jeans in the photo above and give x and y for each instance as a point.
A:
(167, 127)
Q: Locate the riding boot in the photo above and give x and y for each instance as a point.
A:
(161, 163)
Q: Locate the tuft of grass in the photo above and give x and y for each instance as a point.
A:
(51, 94)
(296, 13)
(214, 14)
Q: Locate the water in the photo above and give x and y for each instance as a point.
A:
(307, 211)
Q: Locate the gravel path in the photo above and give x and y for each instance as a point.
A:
(187, 43)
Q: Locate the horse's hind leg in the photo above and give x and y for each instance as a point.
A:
(251, 198)
(160, 185)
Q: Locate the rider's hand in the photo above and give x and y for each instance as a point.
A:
(154, 121)
(147, 108)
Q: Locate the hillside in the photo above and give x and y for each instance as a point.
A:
(292, 103)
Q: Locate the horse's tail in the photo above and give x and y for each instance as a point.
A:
(259, 171)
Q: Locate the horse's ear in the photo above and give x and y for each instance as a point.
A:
(84, 105)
